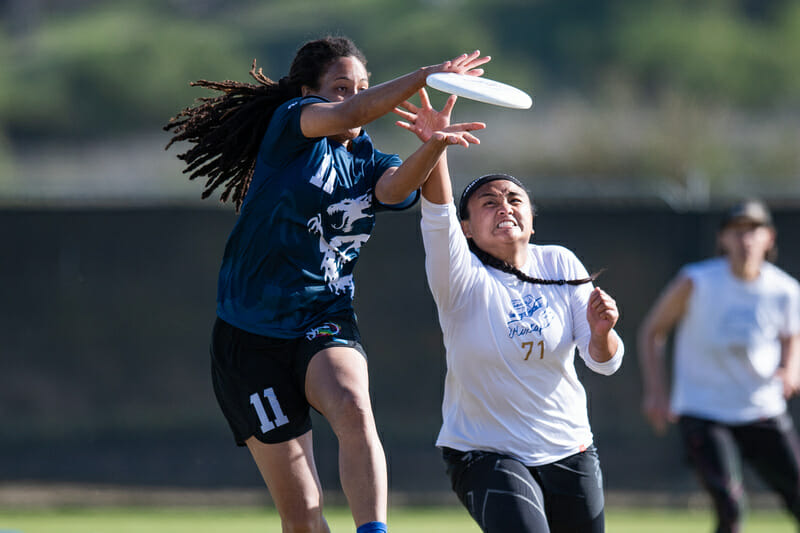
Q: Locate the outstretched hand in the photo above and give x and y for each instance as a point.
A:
(426, 122)
(463, 64)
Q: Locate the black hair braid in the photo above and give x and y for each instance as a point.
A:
(489, 260)
(227, 130)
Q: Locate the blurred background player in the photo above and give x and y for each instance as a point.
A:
(736, 357)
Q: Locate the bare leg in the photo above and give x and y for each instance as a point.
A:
(337, 385)
(291, 476)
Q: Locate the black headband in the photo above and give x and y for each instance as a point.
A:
(477, 182)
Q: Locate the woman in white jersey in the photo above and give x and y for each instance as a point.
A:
(516, 436)
(737, 350)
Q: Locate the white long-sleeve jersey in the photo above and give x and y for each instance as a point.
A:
(511, 385)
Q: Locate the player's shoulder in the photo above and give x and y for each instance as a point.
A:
(706, 267)
(552, 251)
(559, 257)
(778, 275)
(289, 111)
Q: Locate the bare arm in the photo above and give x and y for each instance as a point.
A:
(398, 182)
(602, 314)
(658, 323)
(436, 133)
(438, 188)
(789, 369)
(333, 118)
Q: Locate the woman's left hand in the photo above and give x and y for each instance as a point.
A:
(424, 121)
(601, 312)
(790, 381)
(467, 64)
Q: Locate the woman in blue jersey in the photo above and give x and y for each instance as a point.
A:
(308, 182)
(515, 434)
(736, 360)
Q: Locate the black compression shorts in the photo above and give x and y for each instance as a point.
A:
(504, 495)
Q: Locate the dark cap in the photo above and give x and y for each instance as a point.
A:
(752, 211)
(476, 184)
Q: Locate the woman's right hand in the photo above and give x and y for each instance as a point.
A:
(463, 64)
(655, 407)
(427, 123)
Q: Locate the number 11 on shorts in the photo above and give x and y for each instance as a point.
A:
(266, 423)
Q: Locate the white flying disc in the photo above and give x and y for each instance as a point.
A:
(480, 89)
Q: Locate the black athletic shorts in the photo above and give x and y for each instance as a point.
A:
(260, 381)
(503, 495)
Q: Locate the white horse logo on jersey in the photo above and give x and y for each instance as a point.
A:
(341, 248)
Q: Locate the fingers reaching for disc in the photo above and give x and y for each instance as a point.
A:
(463, 138)
(463, 64)
(468, 63)
(453, 134)
(426, 122)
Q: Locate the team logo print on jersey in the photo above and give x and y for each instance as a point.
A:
(328, 329)
(528, 315)
(337, 246)
(351, 210)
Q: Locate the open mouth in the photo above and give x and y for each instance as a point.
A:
(507, 224)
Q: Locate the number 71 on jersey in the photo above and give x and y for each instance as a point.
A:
(529, 345)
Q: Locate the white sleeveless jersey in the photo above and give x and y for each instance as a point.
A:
(727, 345)
(511, 385)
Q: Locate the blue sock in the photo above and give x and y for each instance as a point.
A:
(372, 527)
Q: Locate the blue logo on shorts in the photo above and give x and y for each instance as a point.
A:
(328, 329)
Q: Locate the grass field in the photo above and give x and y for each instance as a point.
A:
(401, 520)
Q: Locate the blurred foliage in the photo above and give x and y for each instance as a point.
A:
(107, 69)
(662, 89)
(714, 51)
(86, 68)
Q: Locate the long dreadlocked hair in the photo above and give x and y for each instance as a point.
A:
(227, 129)
(488, 259)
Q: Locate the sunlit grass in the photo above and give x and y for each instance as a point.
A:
(401, 519)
